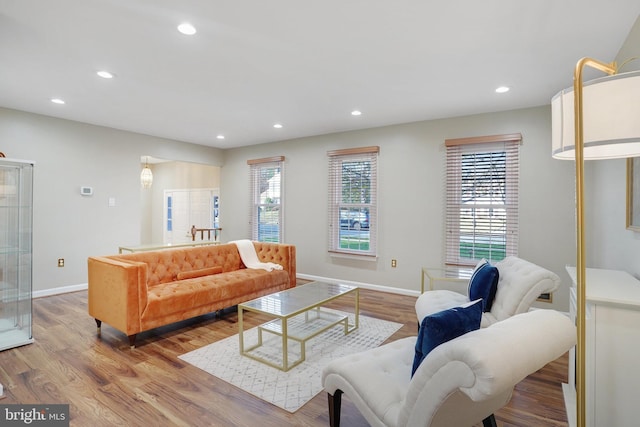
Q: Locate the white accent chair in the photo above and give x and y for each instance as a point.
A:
(520, 283)
(459, 383)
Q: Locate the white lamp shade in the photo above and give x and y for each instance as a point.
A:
(611, 119)
(146, 177)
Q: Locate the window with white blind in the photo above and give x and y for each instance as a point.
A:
(266, 178)
(353, 200)
(482, 198)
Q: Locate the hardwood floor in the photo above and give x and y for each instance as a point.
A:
(108, 384)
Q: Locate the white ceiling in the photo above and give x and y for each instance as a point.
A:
(305, 64)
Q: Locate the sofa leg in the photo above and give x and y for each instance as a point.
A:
(335, 401)
(132, 341)
(98, 323)
(222, 313)
(490, 421)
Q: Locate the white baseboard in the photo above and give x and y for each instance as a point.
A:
(60, 290)
(380, 288)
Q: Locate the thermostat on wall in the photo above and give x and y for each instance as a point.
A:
(86, 191)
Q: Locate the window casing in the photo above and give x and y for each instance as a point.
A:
(481, 219)
(266, 179)
(353, 201)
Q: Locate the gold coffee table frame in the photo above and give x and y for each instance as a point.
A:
(298, 317)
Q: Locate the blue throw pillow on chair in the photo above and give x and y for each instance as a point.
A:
(444, 326)
(484, 284)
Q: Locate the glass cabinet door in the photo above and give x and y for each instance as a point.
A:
(16, 200)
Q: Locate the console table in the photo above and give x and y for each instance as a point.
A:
(612, 346)
(157, 246)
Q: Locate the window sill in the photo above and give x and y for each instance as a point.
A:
(352, 255)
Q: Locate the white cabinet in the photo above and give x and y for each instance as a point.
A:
(612, 346)
(16, 197)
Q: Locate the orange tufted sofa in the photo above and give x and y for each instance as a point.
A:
(140, 291)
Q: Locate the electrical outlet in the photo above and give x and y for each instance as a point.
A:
(394, 263)
(60, 262)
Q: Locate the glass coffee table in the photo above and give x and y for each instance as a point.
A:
(299, 316)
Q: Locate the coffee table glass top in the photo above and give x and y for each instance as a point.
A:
(298, 299)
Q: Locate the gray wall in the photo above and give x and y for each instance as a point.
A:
(411, 177)
(69, 155)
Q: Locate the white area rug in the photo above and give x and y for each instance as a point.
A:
(287, 390)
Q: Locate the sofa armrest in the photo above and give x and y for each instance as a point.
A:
(117, 292)
(279, 253)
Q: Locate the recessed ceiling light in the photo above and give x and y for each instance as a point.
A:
(105, 74)
(356, 113)
(502, 89)
(57, 101)
(277, 126)
(220, 136)
(187, 29)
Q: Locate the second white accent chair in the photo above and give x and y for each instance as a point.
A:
(520, 283)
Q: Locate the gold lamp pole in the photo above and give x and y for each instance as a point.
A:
(580, 262)
(612, 132)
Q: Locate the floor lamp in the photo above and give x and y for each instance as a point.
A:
(599, 119)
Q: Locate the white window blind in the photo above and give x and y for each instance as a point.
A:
(481, 219)
(266, 178)
(353, 200)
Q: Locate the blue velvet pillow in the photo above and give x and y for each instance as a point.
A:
(444, 326)
(484, 284)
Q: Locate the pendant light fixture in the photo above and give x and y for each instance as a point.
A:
(146, 176)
